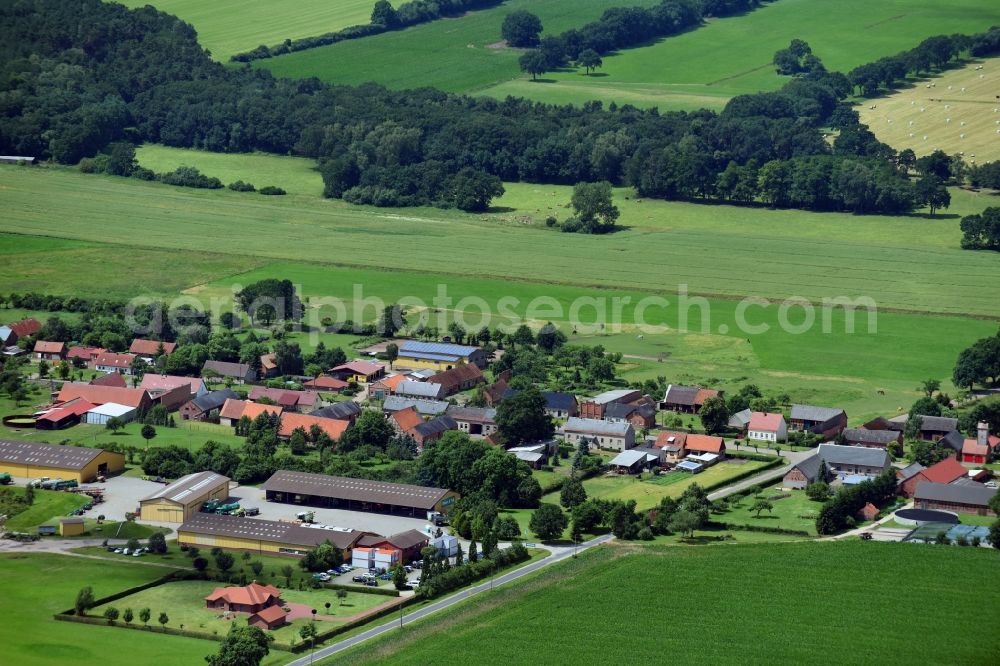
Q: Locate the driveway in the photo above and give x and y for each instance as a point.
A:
(764, 478)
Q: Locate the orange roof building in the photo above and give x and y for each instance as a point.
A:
(334, 428)
(142, 347)
(326, 383)
(250, 598)
(100, 395)
(406, 419)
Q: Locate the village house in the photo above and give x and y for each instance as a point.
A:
(408, 543)
(475, 421)
(678, 445)
(460, 378)
(740, 420)
(849, 464)
(439, 355)
(289, 400)
(111, 379)
(326, 384)
(825, 421)
(99, 395)
(955, 497)
(268, 366)
(83, 356)
(686, 399)
(633, 461)
(154, 382)
(932, 428)
(596, 406)
(767, 427)
(203, 407)
(600, 433)
(341, 411)
(431, 431)
(290, 422)
(240, 373)
(233, 410)
(426, 408)
(875, 439)
(251, 598)
(983, 448)
(557, 405)
(50, 351)
(948, 470)
(421, 390)
(358, 371)
(405, 420)
(387, 386)
(111, 362)
(11, 333)
(905, 474)
(150, 349)
(639, 414)
(955, 441)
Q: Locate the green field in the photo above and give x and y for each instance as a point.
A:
(188, 435)
(41, 584)
(226, 27)
(296, 175)
(700, 68)
(752, 604)
(457, 55)
(905, 263)
(48, 505)
(797, 512)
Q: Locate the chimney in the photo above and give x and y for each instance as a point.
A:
(984, 433)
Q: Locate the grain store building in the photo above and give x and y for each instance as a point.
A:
(184, 497)
(209, 530)
(356, 494)
(33, 460)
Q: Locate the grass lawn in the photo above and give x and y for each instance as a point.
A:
(797, 512)
(48, 506)
(41, 584)
(458, 54)
(226, 27)
(188, 434)
(516, 621)
(956, 115)
(112, 529)
(732, 56)
(296, 175)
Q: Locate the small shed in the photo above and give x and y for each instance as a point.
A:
(71, 527)
(690, 466)
(268, 618)
(706, 459)
(104, 413)
(446, 545)
(869, 512)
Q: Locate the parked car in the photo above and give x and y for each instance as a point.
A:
(137, 553)
(119, 550)
(372, 583)
(360, 579)
(866, 536)
(124, 551)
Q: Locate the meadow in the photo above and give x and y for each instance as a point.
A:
(295, 175)
(702, 68)
(39, 585)
(959, 114)
(46, 505)
(226, 27)
(738, 604)
(796, 512)
(457, 54)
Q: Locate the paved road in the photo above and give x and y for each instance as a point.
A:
(445, 603)
(766, 477)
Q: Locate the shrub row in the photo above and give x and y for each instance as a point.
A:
(465, 574)
(747, 455)
(89, 619)
(756, 528)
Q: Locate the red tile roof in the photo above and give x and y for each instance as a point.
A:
(704, 394)
(407, 418)
(365, 368)
(74, 407)
(99, 395)
(252, 410)
(972, 447)
(85, 353)
(46, 347)
(251, 595)
(390, 382)
(461, 373)
(271, 614)
(334, 428)
(768, 422)
(284, 397)
(267, 362)
(663, 439)
(326, 382)
(232, 409)
(154, 382)
(112, 360)
(945, 471)
(25, 327)
(151, 347)
(111, 379)
(705, 443)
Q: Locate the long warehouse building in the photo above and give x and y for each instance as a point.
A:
(209, 530)
(184, 497)
(33, 460)
(356, 494)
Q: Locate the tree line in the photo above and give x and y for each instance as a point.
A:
(79, 76)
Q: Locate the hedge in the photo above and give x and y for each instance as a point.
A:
(363, 589)
(743, 475)
(747, 455)
(70, 616)
(756, 528)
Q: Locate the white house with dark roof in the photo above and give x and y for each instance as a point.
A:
(600, 433)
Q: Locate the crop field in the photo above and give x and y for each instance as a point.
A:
(226, 27)
(698, 69)
(296, 175)
(458, 55)
(40, 584)
(779, 597)
(957, 112)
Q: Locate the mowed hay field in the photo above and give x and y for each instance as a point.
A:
(957, 112)
(296, 175)
(454, 54)
(752, 604)
(226, 27)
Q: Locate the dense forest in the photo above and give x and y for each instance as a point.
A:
(77, 75)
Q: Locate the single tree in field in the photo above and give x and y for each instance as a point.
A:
(128, 616)
(111, 614)
(84, 600)
(548, 522)
(521, 29)
(144, 616)
(590, 60)
(391, 353)
(163, 619)
(762, 505)
(287, 572)
(148, 432)
(114, 424)
(929, 386)
(341, 595)
(533, 62)
(592, 204)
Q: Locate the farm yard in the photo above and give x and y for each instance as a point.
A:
(226, 27)
(957, 112)
(622, 583)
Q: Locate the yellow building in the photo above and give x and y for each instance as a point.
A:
(32, 460)
(184, 497)
(438, 356)
(208, 530)
(71, 527)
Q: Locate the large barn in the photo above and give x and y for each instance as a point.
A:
(356, 494)
(184, 497)
(209, 530)
(32, 460)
